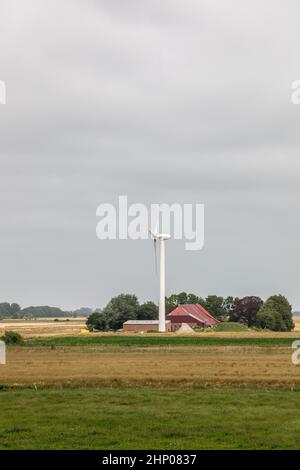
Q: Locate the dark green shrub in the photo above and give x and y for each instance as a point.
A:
(12, 337)
(97, 321)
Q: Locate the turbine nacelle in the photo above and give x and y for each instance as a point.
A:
(160, 236)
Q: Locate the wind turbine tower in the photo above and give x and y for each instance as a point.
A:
(161, 238)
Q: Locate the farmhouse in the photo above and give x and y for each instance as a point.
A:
(193, 314)
(144, 325)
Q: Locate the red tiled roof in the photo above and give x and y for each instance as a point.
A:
(196, 311)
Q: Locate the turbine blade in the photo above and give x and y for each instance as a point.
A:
(155, 233)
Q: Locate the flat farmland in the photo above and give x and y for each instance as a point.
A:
(94, 365)
(106, 391)
(48, 328)
(43, 328)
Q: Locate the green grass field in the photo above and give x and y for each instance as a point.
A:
(141, 415)
(157, 341)
(150, 418)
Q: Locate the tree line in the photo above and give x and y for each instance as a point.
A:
(14, 311)
(274, 314)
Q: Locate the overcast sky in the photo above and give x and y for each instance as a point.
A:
(163, 101)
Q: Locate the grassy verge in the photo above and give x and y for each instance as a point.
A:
(150, 418)
(163, 341)
(230, 326)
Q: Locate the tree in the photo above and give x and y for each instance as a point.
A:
(15, 310)
(283, 307)
(120, 309)
(193, 299)
(245, 310)
(147, 311)
(267, 319)
(82, 312)
(171, 303)
(43, 311)
(182, 298)
(215, 306)
(276, 314)
(4, 310)
(229, 304)
(174, 300)
(97, 321)
(8, 310)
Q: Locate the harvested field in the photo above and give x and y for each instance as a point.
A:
(44, 328)
(297, 323)
(92, 365)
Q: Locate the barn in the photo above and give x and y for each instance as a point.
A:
(144, 325)
(193, 314)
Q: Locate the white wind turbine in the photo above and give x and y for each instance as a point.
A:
(161, 237)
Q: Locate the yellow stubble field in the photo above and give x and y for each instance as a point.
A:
(44, 328)
(193, 366)
(40, 366)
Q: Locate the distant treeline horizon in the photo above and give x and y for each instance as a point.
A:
(14, 311)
